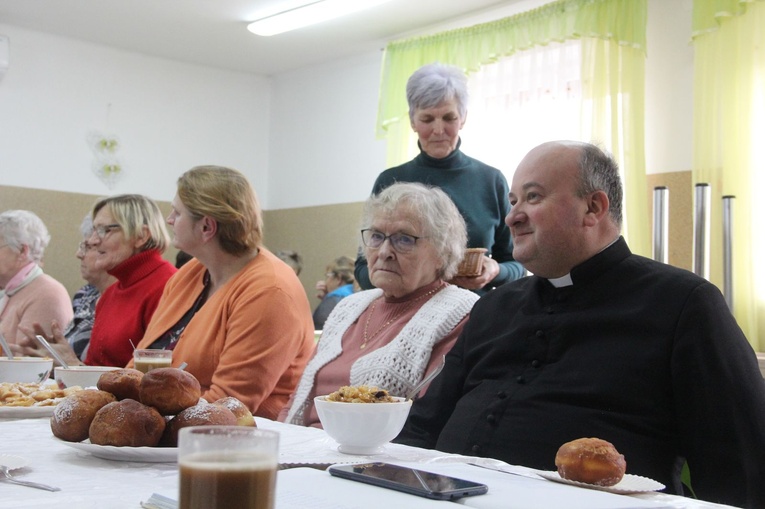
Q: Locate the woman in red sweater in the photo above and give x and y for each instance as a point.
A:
(129, 237)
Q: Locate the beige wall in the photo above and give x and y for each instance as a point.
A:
(319, 234)
(680, 186)
(62, 213)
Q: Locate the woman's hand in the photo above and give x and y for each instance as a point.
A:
(489, 271)
(28, 346)
(321, 289)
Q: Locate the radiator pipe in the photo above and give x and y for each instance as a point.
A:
(701, 231)
(660, 224)
(728, 250)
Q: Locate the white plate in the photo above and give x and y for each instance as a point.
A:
(141, 454)
(25, 412)
(12, 462)
(628, 484)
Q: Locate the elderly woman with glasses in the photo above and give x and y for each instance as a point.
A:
(390, 337)
(127, 242)
(27, 294)
(77, 333)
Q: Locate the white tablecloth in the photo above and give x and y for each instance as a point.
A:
(91, 482)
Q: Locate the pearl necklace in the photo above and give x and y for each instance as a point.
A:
(393, 318)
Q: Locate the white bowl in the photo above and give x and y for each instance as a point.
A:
(25, 369)
(362, 428)
(84, 376)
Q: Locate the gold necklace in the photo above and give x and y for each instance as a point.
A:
(392, 319)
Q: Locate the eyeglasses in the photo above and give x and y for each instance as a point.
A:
(103, 231)
(401, 242)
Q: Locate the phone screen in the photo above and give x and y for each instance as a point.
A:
(410, 480)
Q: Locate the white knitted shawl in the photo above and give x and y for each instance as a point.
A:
(397, 366)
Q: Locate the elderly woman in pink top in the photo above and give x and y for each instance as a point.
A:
(27, 294)
(390, 337)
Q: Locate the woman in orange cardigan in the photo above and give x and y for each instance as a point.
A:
(235, 313)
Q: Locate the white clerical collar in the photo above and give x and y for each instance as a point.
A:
(560, 282)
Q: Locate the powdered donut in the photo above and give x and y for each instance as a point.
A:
(241, 412)
(202, 414)
(72, 417)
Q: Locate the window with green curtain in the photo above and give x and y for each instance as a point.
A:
(729, 155)
(612, 33)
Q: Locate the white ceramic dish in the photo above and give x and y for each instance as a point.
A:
(138, 454)
(83, 376)
(25, 412)
(25, 369)
(12, 462)
(362, 428)
(629, 484)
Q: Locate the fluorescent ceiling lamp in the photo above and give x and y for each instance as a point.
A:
(310, 14)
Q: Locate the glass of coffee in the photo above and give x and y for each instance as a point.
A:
(146, 360)
(227, 467)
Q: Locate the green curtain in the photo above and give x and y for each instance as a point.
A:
(728, 152)
(613, 35)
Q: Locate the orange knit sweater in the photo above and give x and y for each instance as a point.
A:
(251, 339)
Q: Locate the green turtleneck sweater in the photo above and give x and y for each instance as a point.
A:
(480, 193)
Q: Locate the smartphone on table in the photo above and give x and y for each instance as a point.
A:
(410, 480)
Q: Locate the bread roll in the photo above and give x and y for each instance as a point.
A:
(590, 460)
(169, 390)
(123, 383)
(127, 423)
(241, 412)
(72, 416)
(202, 414)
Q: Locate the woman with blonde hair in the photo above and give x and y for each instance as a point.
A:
(235, 313)
(128, 238)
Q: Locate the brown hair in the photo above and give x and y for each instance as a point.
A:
(225, 195)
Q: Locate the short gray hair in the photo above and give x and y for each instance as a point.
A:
(433, 211)
(22, 227)
(598, 171)
(432, 84)
(86, 227)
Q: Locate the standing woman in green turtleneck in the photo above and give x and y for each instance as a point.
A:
(437, 96)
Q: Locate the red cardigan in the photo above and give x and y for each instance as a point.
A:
(124, 310)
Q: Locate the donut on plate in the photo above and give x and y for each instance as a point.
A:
(201, 414)
(123, 383)
(241, 412)
(72, 416)
(590, 460)
(169, 390)
(127, 423)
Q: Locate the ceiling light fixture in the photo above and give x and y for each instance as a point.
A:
(310, 14)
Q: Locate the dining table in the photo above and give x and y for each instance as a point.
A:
(91, 476)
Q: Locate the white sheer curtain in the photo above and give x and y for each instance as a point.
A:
(521, 101)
